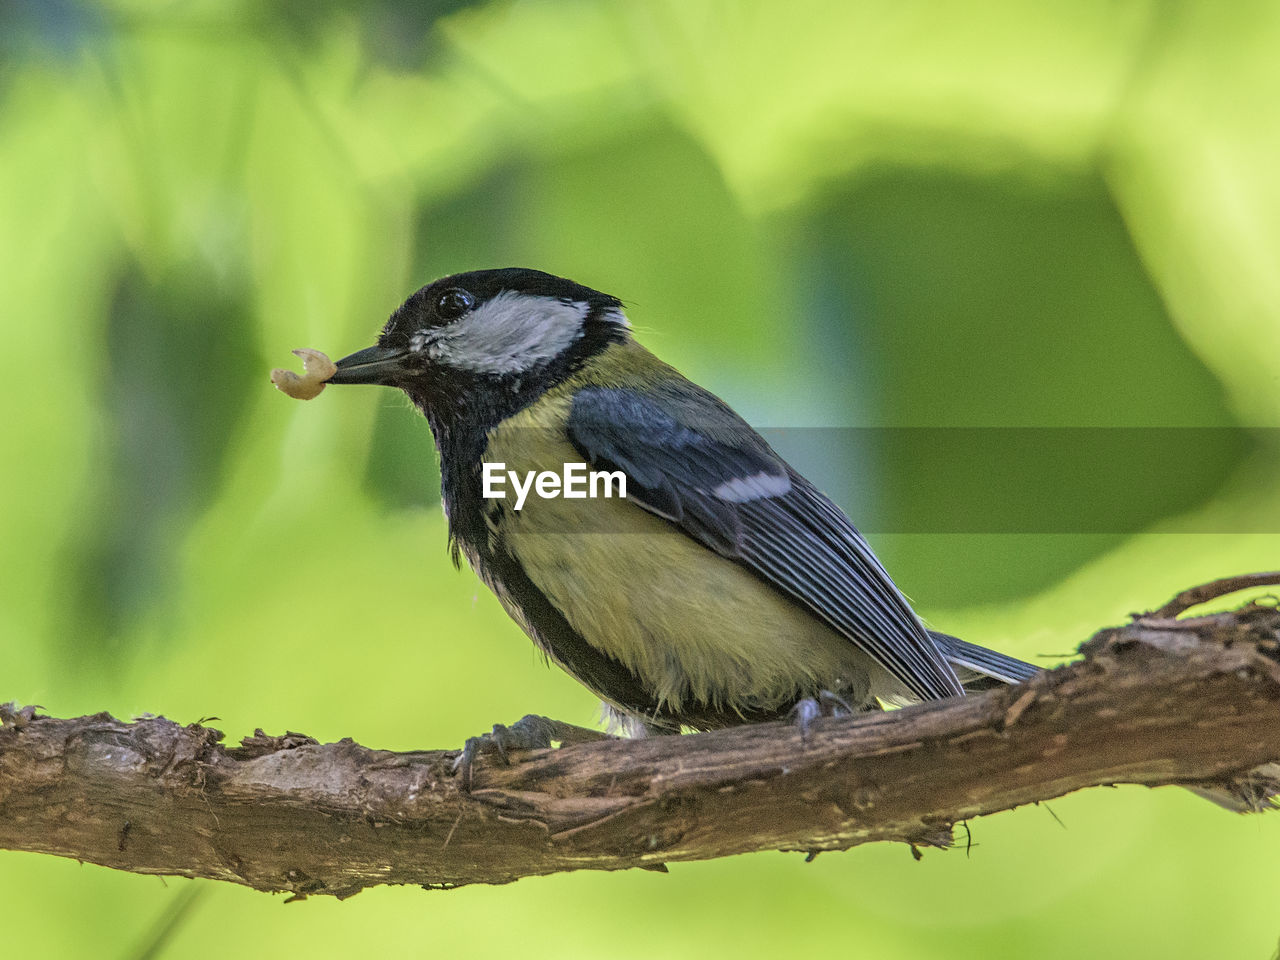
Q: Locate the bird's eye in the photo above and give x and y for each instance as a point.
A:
(453, 303)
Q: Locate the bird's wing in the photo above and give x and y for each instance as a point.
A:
(699, 465)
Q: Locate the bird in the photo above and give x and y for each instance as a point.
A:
(720, 588)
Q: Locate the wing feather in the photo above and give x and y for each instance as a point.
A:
(719, 482)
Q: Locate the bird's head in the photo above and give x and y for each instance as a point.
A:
(504, 334)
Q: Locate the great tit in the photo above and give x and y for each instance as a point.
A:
(723, 588)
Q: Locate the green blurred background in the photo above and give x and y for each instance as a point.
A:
(834, 214)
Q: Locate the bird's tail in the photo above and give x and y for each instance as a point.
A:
(979, 668)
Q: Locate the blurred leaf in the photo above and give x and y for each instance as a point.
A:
(179, 358)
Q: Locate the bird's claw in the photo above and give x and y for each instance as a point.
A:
(825, 704)
(530, 732)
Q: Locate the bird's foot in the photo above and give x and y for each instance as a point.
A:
(530, 732)
(825, 704)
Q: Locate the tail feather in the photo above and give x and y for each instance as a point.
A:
(980, 668)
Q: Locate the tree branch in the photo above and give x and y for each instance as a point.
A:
(1160, 701)
(1195, 596)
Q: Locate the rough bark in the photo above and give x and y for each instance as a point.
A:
(1160, 701)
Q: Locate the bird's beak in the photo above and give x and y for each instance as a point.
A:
(383, 365)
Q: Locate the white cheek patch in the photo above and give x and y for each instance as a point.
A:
(758, 486)
(617, 318)
(508, 334)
